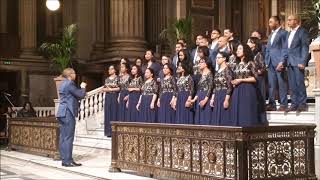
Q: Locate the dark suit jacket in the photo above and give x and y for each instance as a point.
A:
(276, 52)
(298, 52)
(69, 98)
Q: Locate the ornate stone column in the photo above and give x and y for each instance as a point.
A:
(28, 27)
(99, 18)
(3, 16)
(127, 29)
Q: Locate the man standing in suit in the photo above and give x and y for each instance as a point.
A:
(215, 34)
(275, 60)
(67, 112)
(194, 53)
(298, 51)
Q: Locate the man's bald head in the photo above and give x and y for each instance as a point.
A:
(69, 73)
(223, 41)
(293, 21)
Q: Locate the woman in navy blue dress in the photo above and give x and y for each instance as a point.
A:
(150, 62)
(164, 60)
(147, 100)
(185, 85)
(111, 87)
(167, 96)
(134, 93)
(244, 103)
(124, 80)
(204, 87)
(222, 89)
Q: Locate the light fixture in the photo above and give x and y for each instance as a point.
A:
(53, 5)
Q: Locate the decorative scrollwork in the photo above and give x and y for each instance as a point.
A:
(278, 158)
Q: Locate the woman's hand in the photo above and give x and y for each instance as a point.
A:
(127, 104)
(212, 102)
(173, 104)
(226, 104)
(236, 82)
(126, 98)
(203, 103)
(158, 103)
(152, 105)
(138, 106)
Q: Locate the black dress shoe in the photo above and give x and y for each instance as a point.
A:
(270, 108)
(76, 164)
(73, 164)
(291, 109)
(301, 108)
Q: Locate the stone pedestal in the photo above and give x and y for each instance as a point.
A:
(127, 30)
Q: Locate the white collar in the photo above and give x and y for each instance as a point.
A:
(275, 31)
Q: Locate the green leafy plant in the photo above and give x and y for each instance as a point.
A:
(310, 16)
(178, 28)
(61, 52)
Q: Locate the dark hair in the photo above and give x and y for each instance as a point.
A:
(182, 39)
(233, 44)
(186, 66)
(216, 29)
(182, 45)
(151, 71)
(230, 30)
(152, 52)
(206, 38)
(127, 65)
(139, 71)
(125, 58)
(115, 69)
(186, 59)
(276, 18)
(257, 42)
(208, 63)
(259, 32)
(247, 53)
(225, 55)
(170, 68)
(205, 50)
(30, 104)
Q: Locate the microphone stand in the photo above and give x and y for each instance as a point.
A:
(6, 96)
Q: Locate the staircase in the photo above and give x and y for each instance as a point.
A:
(90, 124)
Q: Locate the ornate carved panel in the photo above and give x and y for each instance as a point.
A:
(35, 135)
(207, 152)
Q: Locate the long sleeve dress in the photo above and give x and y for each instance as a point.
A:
(185, 85)
(222, 87)
(122, 110)
(244, 103)
(133, 113)
(204, 89)
(110, 100)
(148, 90)
(168, 90)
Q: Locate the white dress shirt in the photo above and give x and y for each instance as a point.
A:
(292, 33)
(214, 44)
(274, 33)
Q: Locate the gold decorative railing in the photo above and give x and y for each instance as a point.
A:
(169, 151)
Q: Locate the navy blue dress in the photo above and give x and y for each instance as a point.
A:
(110, 110)
(155, 66)
(244, 103)
(185, 85)
(148, 90)
(122, 110)
(259, 60)
(204, 89)
(133, 113)
(222, 88)
(168, 90)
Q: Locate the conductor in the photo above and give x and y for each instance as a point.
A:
(67, 112)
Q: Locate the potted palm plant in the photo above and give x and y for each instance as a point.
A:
(61, 52)
(178, 28)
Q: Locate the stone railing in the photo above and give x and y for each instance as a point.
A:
(40, 111)
(210, 152)
(91, 110)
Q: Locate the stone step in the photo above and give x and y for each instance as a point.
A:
(93, 141)
(311, 106)
(282, 118)
(98, 131)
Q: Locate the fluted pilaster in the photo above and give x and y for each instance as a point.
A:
(3, 16)
(127, 29)
(28, 27)
(99, 26)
